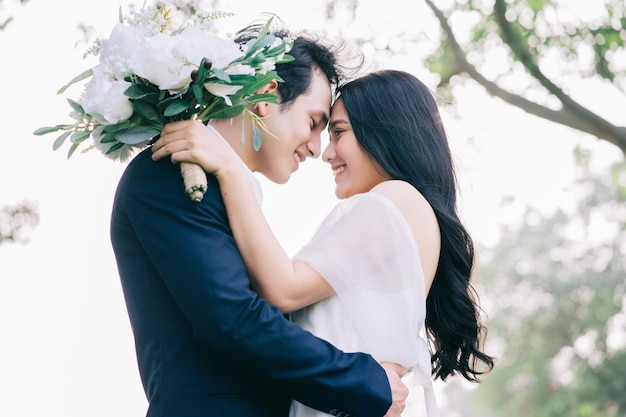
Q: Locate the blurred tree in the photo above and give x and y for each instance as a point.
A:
(525, 52)
(17, 221)
(5, 20)
(538, 44)
(556, 287)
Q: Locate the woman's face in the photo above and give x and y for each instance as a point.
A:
(354, 169)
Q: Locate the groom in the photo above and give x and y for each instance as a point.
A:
(206, 344)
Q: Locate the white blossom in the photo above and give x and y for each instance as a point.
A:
(104, 98)
(167, 61)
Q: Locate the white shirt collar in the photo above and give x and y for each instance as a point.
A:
(256, 184)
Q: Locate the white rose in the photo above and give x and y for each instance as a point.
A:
(222, 90)
(104, 98)
(167, 61)
(117, 50)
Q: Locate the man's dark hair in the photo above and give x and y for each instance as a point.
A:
(309, 54)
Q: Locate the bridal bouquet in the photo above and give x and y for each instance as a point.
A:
(152, 72)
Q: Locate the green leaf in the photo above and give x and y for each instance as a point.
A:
(198, 92)
(221, 75)
(148, 113)
(176, 108)
(254, 87)
(262, 98)
(83, 75)
(76, 106)
(137, 91)
(108, 138)
(259, 44)
(114, 148)
(49, 129)
(60, 140)
(137, 135)
(257, 138)
(117, 127)
(79, 136)
(70, 152)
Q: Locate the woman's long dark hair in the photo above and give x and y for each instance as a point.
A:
(396, 120)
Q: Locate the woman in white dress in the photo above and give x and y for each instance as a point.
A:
(389, 268)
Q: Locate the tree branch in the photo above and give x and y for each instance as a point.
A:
(572, 114)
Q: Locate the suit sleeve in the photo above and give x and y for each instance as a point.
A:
(192, 248)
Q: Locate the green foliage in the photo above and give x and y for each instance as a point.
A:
(556, 283)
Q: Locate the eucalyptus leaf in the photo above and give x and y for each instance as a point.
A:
(176, 108)
(70, 152)
(83, 75)
(60, 140)
(148, 112)
(114, 148)
(198, 91)
(79, 136)
(262, 98)
(257, 138)
(137, 135)
(221, 75)
(49, 129)
(228, 112)
(108, 138)
(137, 91)
(117, 127)
(77, 107)
(259, 44)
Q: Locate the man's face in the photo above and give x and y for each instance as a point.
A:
(295, 131)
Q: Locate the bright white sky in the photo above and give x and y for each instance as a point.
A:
(66, 348)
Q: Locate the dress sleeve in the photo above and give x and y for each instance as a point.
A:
(367, 252)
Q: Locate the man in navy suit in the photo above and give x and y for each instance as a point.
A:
(206, 344)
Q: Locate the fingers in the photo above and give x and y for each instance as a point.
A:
(176, 137)
(398, 369)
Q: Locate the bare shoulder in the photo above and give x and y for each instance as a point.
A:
(403, 195)
(421, 219)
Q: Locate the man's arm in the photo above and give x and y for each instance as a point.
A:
(191, 246)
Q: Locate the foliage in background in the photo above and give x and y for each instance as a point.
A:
(557, 293)
(538, 45)
(17, 221)
(5, 20)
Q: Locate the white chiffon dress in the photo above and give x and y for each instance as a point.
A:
(366, 251)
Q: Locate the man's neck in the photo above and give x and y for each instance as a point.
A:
(231, 130)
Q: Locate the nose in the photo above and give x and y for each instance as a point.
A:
(329, 153)
(314, 146)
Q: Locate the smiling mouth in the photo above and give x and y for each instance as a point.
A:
(339, 170)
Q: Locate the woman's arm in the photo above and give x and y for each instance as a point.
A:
(285, 284)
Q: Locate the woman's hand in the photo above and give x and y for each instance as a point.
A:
(191, 141)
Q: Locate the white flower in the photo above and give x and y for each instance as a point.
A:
(167, 61)
(222, 90)
(104, 98)
(117, 50)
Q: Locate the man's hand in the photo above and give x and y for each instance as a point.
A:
(399, 391)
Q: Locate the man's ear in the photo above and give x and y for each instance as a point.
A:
(263, 109)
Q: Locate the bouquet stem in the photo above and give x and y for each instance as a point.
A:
(194, 179)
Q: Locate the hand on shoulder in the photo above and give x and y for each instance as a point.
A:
(192, 141)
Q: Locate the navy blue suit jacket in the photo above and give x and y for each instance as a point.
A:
(207, 345)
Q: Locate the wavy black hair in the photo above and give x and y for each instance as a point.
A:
(395, 118)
